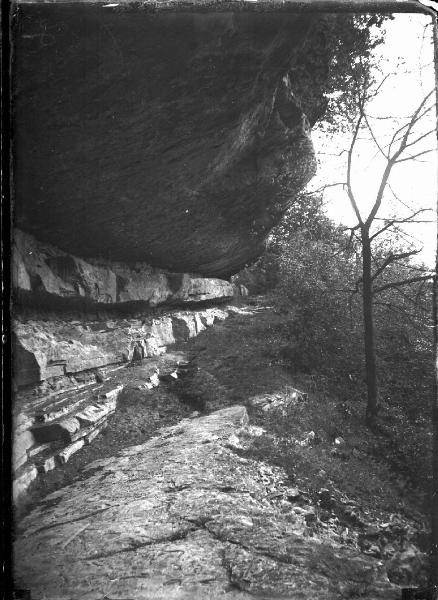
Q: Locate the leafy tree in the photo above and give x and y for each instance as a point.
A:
(317, 266)
(337, 57)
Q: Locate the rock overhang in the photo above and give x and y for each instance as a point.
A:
(171, 138)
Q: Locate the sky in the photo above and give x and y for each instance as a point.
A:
(407, 52)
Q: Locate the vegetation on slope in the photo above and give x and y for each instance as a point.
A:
(311, 272)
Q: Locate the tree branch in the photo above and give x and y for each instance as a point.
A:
(393, 258)
(374, 138)
(392, 222)
(414, 156)
(408, 126)
(425, 135)
(396, 284)
(392, 160)
(328, 185)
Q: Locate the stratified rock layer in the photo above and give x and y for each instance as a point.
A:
(47, 349)
(72, 374)
(174, 139)
(43, 274)
(183, 516)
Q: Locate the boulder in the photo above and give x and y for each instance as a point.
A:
(145, 135)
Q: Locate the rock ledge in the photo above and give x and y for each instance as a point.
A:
(182, 516)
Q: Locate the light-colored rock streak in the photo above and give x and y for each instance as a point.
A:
(180, 517)
(43, 269)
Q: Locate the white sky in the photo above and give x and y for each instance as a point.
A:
(408, 52)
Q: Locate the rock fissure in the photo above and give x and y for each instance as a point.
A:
(178, 535)
(62, 523)
(233, 583)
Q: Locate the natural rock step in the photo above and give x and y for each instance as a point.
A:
(66, 405)
(77, 421)
(50, 408)
(51, 411)
(44, 445)
(30, 411)
(46, 457)
(52, 455)
(69, 428)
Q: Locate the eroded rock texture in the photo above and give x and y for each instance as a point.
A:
(174, 139)
(46, 349)
(183, 516)
(44, 274)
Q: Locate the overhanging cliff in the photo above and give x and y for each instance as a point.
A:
(174, 139)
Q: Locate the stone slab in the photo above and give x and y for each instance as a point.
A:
(46, 464)
(93, 434)
(64, 456)
(53, 431)
(184, 517)
(93, 413)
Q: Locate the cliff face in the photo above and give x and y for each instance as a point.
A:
(44, 276)
(174, 139)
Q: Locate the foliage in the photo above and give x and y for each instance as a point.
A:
(336, 58)
(317, 268)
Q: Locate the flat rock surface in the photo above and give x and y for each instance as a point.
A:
(184, 516)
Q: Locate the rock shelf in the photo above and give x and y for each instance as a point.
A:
(184, 516)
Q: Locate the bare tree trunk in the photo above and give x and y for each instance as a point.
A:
(368, 319)
(434, 495)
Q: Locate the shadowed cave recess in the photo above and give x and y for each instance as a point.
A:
(173, 139)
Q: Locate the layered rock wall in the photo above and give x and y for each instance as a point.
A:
(152, 154)
(43, 272)
(46, 349)
(68, 375)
